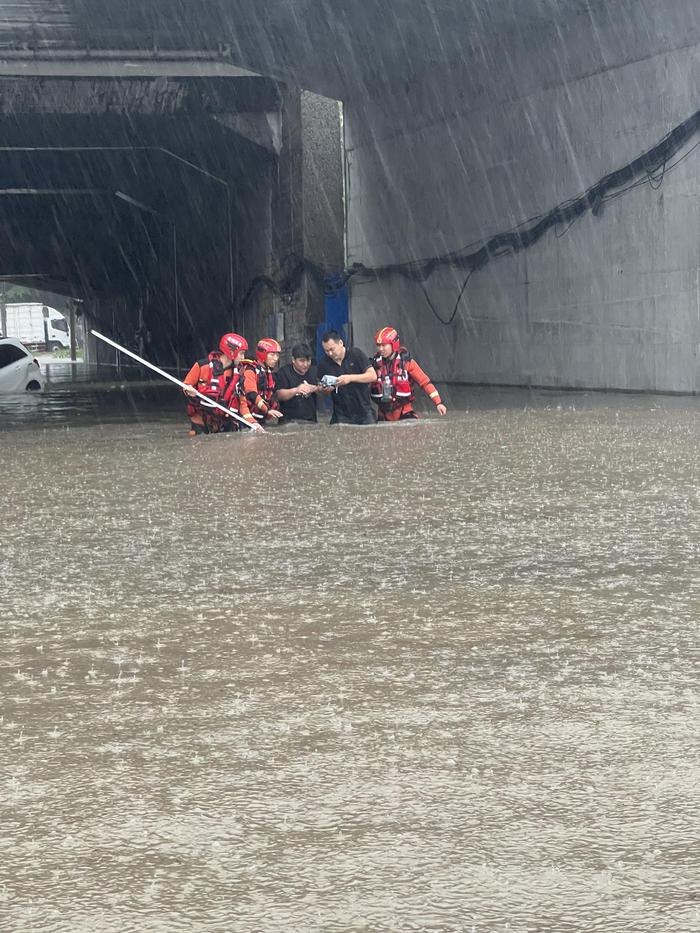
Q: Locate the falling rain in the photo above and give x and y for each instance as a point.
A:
(437, 674)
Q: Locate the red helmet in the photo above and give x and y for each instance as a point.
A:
(265, 346)
(230, 344)
(388, 335)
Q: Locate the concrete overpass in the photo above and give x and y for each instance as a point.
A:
(462, 121)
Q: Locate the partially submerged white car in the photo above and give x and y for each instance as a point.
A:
(19, 371)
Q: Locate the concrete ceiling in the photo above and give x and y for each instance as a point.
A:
(334, 47)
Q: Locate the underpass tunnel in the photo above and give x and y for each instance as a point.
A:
(520, 194)
(157, 202)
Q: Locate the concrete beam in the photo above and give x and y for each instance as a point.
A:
(119, 64)
(137, 96)
(263, 129)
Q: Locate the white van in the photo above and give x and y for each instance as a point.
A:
(37, 326)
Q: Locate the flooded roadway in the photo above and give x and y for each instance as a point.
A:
(440, 676)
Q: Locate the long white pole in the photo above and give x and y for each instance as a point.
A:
(161, 372)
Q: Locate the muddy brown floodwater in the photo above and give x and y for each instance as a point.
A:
(437, 676)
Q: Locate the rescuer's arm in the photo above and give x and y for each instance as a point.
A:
(191, 380)
(250, 393)
(254, 399)
(244, 412)
(421, 378)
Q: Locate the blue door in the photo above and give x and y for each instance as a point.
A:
(336, 317)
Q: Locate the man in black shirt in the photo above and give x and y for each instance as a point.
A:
(297, 384)
(354, 375)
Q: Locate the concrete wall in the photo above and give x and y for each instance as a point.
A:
(474, 149)
(306, 220)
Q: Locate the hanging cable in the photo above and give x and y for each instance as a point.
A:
(651, 168)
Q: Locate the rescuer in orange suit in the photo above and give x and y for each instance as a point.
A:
(397, 373)
(213, 376)
(256, 383)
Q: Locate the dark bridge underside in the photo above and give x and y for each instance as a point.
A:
(133, 189)
(105, 212)
(333, 48)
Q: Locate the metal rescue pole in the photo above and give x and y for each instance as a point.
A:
(161, 372)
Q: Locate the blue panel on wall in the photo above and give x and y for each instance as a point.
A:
(336, 318)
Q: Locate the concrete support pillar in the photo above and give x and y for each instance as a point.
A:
(91, 350)
(307, 214)
(3, 310)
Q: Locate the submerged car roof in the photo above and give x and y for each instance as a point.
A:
(15, 342)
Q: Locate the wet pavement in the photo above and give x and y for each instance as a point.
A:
(434, 676)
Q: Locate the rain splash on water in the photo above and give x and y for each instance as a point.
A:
(439, 676)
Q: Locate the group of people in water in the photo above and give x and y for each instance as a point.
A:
(257, 392)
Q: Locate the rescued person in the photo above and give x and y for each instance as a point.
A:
(351, 374)
(297, 385)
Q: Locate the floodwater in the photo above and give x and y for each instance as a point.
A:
(426, 677)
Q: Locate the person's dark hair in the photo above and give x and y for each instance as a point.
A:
(301, 351)
(331, 335)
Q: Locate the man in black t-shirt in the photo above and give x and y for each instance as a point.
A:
(297, 384)
(354, 375)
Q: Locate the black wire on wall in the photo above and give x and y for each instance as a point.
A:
(648, 168)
